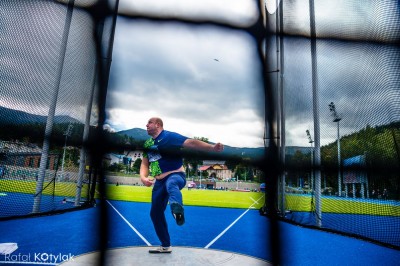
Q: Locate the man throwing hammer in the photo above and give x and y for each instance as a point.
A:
(163, 161)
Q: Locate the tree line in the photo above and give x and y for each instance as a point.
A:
(379, 145)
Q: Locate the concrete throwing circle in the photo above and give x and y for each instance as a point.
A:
(180, 256)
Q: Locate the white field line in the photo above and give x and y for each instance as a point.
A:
(226, 229)
(131, 226)
(256, 201)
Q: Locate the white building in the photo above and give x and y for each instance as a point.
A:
(135, 155)
(216, 169)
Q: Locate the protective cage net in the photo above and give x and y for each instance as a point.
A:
(334, 68)
(48, 105)
(331, 68)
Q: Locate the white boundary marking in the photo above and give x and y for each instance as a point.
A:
(130, 225)
(237, 219)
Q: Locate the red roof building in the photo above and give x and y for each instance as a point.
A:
(217, 170)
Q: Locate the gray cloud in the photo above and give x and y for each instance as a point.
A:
(168, 69)
(31, 56)
(164, 61)
(360, 78)
(172, 69)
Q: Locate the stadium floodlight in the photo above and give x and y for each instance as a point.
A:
(67, 134)
(309, 137)
(311, 141)
(336, 119)
(332, 108)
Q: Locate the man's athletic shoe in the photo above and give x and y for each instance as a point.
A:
(161, 249)
(177, 212)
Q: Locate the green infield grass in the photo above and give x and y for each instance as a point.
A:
(65, 189)
(296, 202)
(193, 197)
(214, 198)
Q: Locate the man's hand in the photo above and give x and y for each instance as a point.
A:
(218, 147)
(148, 182)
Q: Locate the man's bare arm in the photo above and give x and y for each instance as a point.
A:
(199, 145)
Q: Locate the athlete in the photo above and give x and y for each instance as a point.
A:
(162, 166)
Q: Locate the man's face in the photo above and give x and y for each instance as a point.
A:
(152, 126)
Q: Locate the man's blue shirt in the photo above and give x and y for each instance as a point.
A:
(163, 152)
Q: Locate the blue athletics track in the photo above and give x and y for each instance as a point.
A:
(47, 240)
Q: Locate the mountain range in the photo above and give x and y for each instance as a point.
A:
(11, 116)
(136, 133)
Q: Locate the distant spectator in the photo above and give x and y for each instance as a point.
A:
(385, 194)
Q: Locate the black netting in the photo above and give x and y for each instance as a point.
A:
(332, 106)
(338, 84)
(48, 83)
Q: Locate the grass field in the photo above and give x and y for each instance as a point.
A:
(296, 202)
(212, 198)
(193, 197)
(29, 187)
(216, 198)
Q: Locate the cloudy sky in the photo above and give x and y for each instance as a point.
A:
(204, 80)
(357, 66)
(35, 63)
(170, 70)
